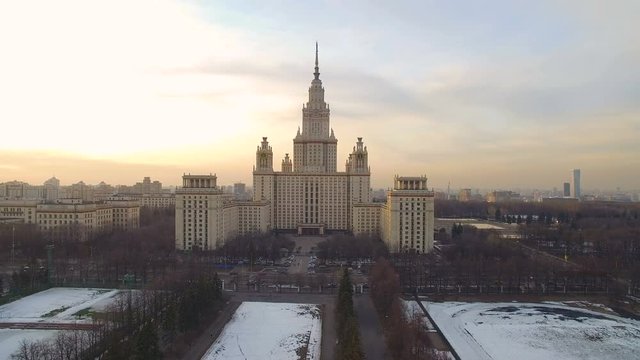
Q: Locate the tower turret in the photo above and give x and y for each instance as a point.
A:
(315, 147)
(287, 165)
(358, 161)
(264, 156)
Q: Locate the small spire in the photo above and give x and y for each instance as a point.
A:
(317, 73)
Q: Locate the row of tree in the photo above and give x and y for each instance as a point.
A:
(537, 211)
(347, 324)
(405, 333)
(147, 253)
(141, 324)
(342, 246)
(256, 245)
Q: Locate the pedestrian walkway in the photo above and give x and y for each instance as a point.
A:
(371, 335)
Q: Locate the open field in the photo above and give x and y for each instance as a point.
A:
(56, 308)
(261, 330)
(10, 339)
(510, 330)
(56, 305)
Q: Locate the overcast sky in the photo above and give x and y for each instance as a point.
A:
(482, 94)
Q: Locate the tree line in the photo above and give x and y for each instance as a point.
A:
(601, 240)
(343, 246)
(349, 347)
(406, 334)
(159, 321)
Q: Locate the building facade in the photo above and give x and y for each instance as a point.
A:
(73, 219)
(408, 218)
(575, 191)
(308, 195)
(206, 216)
(464, 195)
(157, 200)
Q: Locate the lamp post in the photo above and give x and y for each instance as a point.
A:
(49, 262)
(13, 244)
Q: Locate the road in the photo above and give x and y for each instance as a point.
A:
(371, 335)
(370, 329)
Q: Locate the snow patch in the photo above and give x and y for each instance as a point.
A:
(53, 305)
(269, 331)
(523, 331)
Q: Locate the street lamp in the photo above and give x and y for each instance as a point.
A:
(13, 244)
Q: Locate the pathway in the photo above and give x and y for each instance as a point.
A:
(371, 335)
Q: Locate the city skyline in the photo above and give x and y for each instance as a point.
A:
(463, 94)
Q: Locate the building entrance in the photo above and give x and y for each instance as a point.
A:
(311, 229)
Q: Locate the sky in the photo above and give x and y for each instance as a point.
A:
(479, 94)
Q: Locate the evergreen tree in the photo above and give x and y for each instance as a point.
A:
(146, 344)
(115, 348)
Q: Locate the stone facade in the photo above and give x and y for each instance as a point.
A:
(206, 216)
(407, 222)
(308, 195)
(73, 219)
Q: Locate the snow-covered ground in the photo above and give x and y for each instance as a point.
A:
(482, 226)
(523, 331)
(413, 310)
(10, 339)
(55, 305)
(269, 331)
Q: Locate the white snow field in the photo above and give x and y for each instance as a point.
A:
(269, 331)
(55, 305)
(523, 331)
(10, 339)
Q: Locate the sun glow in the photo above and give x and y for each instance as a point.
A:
(99, 79)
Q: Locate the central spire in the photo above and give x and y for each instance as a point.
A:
(317, 73)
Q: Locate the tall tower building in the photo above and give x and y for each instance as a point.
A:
(408, 217)
(566, 189)
(199, 205)
(575, 191)
(308, 195)
(315, 148)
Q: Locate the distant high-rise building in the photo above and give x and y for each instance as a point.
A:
(239, 190)
(503, 196)
(567, 190)
(464, 195)
(575, 191)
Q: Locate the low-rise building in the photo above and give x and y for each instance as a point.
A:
(503, 196)
(158, 200)
(72, 219)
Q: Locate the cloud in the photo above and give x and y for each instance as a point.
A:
(480, 94)
(37, 166)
